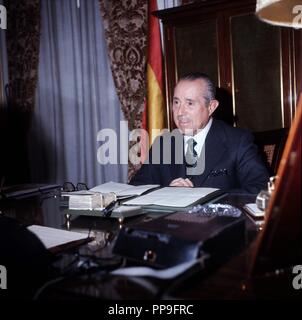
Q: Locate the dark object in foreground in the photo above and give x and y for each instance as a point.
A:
(181, 237)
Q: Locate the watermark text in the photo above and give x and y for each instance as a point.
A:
(297, 21)
(167, 149)
(297, 280)
(3, 277)
(3, 17)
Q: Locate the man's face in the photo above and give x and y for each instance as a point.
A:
(190, 111)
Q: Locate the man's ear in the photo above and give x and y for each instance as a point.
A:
(212, 106)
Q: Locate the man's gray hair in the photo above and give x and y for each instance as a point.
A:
(211, 90)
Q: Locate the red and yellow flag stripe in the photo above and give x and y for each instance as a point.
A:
(153, 117)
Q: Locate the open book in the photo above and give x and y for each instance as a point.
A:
(123, 189)
(175, 197)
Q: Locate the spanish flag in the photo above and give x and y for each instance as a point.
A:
(153, 115)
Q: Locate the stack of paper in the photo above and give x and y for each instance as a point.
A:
(86, 200)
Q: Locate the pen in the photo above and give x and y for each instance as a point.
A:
(108, 210)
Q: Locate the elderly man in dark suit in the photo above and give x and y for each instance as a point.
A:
(202, 152)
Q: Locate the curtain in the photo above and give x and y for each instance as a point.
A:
(125, 24)
(76, 97)
(22, 41)
(23, 33)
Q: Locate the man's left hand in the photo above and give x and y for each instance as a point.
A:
(180, 182)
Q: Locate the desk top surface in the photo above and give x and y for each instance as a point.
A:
(231, 280)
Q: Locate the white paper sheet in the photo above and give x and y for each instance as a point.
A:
(52, 237)
(172, 197)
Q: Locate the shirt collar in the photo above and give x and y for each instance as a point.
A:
(200, 136)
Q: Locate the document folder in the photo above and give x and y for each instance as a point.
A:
(175, 198)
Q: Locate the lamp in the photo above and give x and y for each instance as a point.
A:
(286, 13)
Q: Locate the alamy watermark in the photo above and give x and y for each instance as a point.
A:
(3, 277)
(297, 21)
(297, 280)
(168, 149)
(3, 17)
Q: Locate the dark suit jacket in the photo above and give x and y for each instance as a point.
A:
(231, 161)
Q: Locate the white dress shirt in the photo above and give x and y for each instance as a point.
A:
(199, 137)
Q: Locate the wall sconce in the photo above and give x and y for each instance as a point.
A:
(287, 13)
